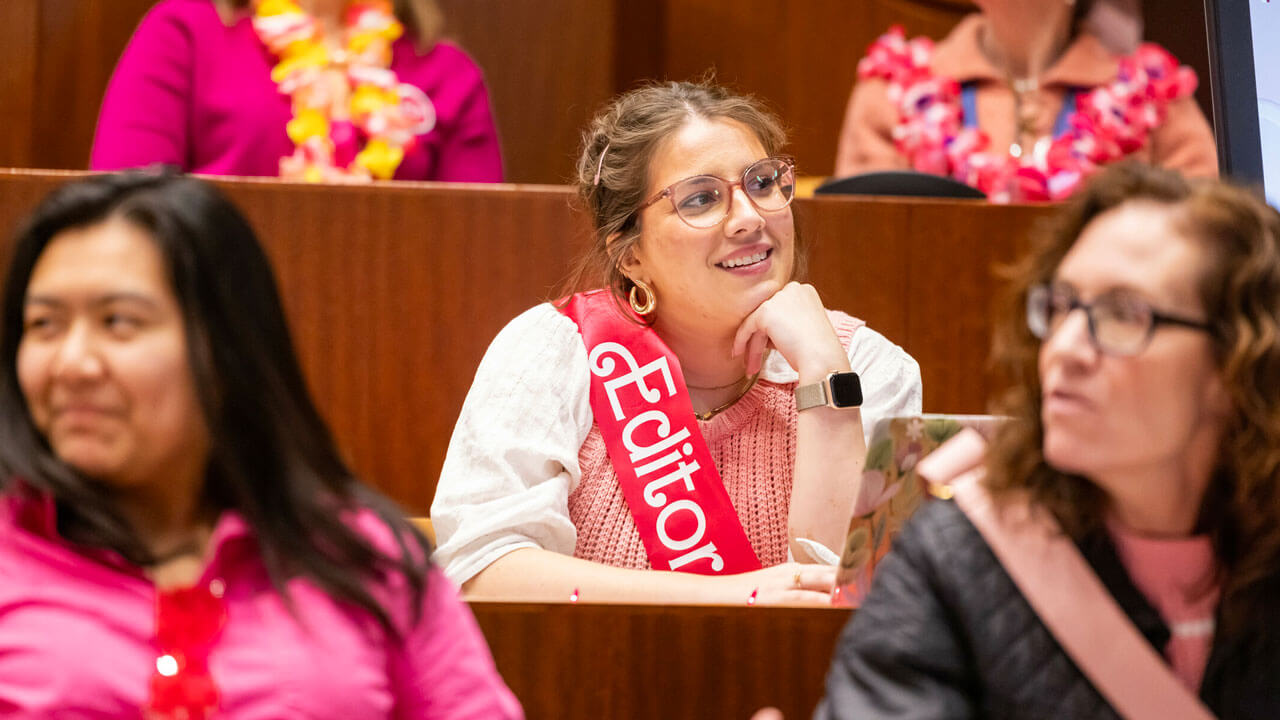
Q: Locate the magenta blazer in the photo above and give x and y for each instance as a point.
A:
(193, 92)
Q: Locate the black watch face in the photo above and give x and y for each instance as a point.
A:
(846, 390)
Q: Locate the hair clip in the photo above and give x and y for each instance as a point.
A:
(600, 164)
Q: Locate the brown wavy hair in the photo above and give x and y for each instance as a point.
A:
(1240, 291)
(627, 133)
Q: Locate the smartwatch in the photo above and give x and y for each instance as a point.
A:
(837, 390)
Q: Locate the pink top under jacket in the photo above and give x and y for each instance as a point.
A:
(194, 92)
(76, 629)
(1178, 577)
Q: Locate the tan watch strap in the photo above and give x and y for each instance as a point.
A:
(811, 395)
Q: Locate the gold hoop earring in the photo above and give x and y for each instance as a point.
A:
(650, 299)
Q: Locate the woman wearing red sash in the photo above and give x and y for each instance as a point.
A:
(697, 416)
(1146, 332)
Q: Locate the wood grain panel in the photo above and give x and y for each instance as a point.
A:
(80, 42)
(394, 299)
(640, 43)
(802, 61)
(626, 662)
(1180, 26)
(549, 65)
(922, 273)
(19, 40)
(395, 291)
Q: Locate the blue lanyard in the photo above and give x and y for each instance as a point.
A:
(969, 103)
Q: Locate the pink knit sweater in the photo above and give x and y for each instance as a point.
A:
(754, 445)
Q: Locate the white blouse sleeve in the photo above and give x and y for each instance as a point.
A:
(513, 458)
(890, 378)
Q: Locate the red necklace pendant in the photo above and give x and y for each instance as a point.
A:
(188, 621)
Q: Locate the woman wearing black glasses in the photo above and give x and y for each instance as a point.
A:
(1143, 463)
(699, 412)
(179, 537)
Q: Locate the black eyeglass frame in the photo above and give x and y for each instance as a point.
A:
(1044, 291)
(788, 163)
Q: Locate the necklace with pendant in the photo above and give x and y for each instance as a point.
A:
(1026, 112)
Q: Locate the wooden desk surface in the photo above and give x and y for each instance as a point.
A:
(650, 662)
(394, 292)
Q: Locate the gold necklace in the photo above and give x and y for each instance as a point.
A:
(1026, 112)
(705, 416)
(735, 383)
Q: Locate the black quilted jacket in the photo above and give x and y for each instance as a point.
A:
(945, 633)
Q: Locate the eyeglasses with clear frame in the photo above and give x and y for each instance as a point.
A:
(702, 201)
(1120, 322)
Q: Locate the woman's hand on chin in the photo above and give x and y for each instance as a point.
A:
(793, 322)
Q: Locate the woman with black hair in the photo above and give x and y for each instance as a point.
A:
(177, 530)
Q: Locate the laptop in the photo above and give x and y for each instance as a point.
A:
(897, 444)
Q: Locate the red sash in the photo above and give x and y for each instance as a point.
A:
(668, 478)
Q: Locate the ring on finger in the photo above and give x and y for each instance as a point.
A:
(796, 580)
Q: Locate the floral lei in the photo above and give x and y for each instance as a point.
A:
(1109, 122)
(352, 118)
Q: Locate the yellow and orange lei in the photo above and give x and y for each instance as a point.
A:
(352, 119)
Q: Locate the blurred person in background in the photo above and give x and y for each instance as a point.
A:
(308, 90)
(1023, 101)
